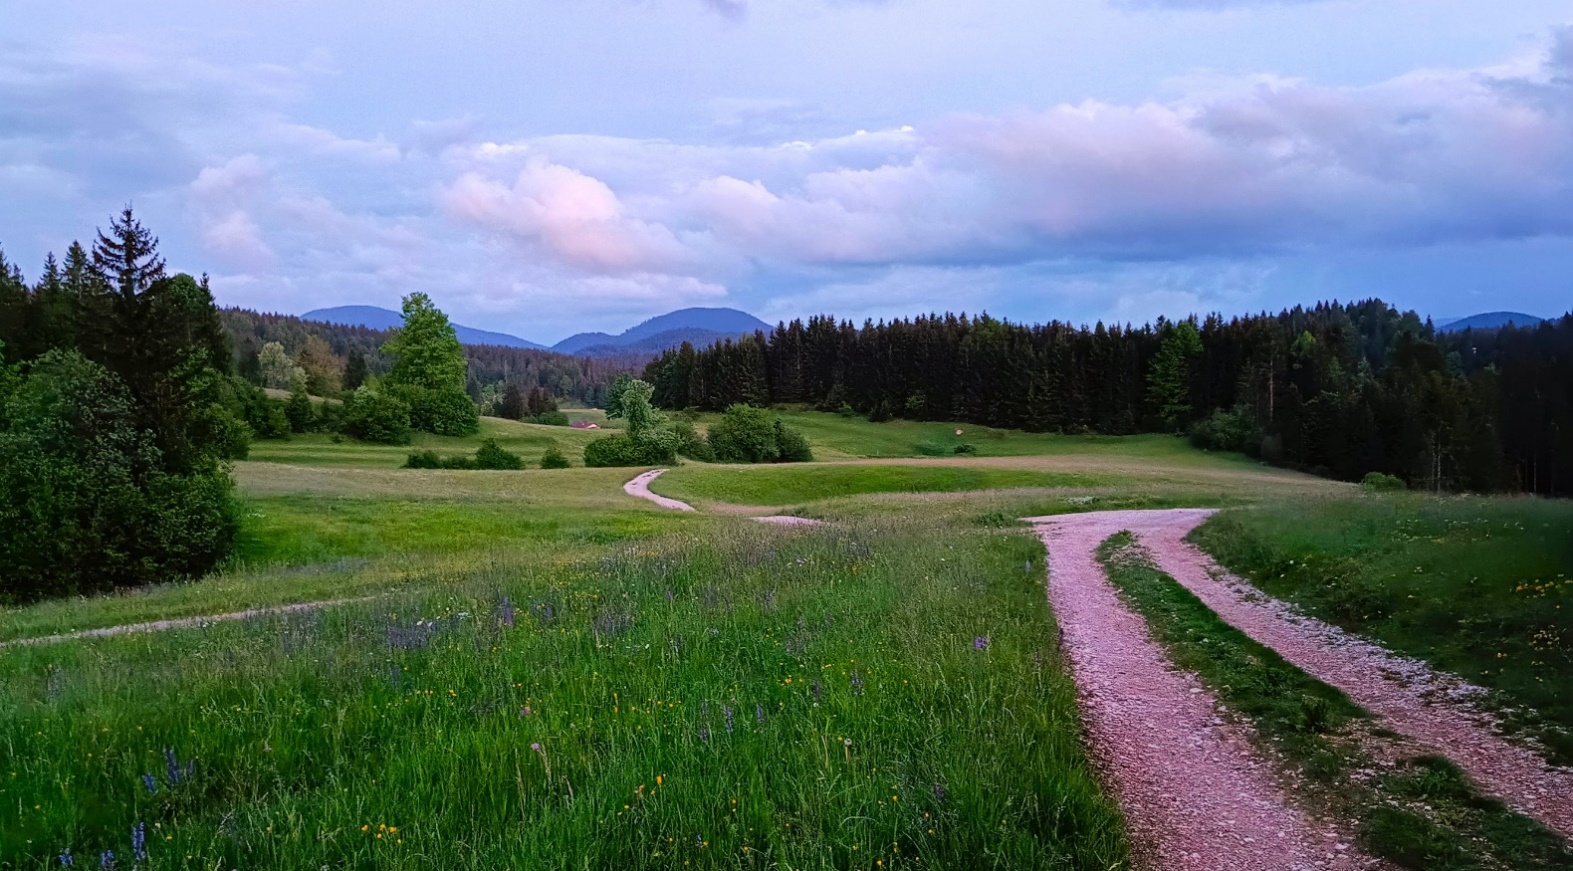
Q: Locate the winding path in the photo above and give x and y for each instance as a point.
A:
(1429, 708)
(1196, 794)
(184, 622)
(640, 487)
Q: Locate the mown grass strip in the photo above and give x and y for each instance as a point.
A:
(1419, 812)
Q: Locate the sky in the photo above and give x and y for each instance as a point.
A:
(543, 167)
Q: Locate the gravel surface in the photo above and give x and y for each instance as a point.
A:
(183, 622)
(640, 487)
(1195, 793)
(1433, 709)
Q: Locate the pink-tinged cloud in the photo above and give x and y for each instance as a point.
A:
(571, 216)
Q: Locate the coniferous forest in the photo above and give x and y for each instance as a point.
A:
(1342, 390)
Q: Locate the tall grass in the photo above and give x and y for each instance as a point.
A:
(796, 484)
(875, 697)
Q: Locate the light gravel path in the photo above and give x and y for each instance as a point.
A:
(1433, 709)
(789, 520)
(1194, 791)
(640, 487)
(183, 622)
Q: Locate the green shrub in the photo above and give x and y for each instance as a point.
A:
(933, 448)
(1227, 430)
(490, 456)
(373, 416)
(551, 418)
(423, 460)
(744, 434)
(624, 450)
(444, 412)
(966, 448)
(791, 445)
(554, 458)
(1377, 482)
(88, 504)
(690, 443)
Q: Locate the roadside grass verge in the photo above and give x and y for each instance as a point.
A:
(1418, 812)
(800, 483)
(873, 696)
(1481, 587)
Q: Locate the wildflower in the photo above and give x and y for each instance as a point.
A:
(939, 793)
(106, 859)
(726, 712)
(980, 643)
(139, 841)
(857, 684)
(525, 711)
(172, 766)
(506, 616)
(151, 783)
(704, 732)
(815, 690)
(67, 860)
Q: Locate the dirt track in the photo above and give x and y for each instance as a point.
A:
(183, 622)
(1185, 780)
(1196, 795)
(640, 487)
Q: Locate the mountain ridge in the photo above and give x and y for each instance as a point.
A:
(1490, 321)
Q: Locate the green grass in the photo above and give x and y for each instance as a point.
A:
(1480, 587)
(835, 437)
(799, 483)
(1420, 814)
(528, 440)
(881, 734)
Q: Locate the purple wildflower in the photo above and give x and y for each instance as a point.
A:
(980, 643)
(151, 783)
(139, 841)
(704, 732)
(67, 860)
(507, 612)
(940, 794)
(106, 859)
(171, 766)
(726, 712)
(815, 690)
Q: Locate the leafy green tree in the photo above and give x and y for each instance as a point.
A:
(554, 458)
(373, 416)
(278, 370)
(634, 406)
(1169, 379)
(614, 395)
(298, 408)
(744, 434)
(429, 370)
(90, 503)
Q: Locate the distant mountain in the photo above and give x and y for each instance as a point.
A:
(1490, 321)
(384, 319)
(701, 326)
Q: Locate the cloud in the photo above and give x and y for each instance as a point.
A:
(571, 216)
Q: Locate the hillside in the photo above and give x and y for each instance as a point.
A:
(1490, 321)
(699, 326)
(385, 319)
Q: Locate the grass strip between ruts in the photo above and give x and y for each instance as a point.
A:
(1417, 812)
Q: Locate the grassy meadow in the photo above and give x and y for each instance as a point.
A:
(531, 669)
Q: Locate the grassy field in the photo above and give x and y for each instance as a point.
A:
(703, 692)
(1479, 587)
(796, 484)
(528, 440)
(1420, 813)
(721, 701)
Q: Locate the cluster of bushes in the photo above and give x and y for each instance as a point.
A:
(1233, 429)
(745, 434)
(489, 456)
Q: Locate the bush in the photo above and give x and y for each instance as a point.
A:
(624, 450)
(1227, 430)
(440, 412)
(791, 445)
(551, 418)
(490, 456)
(966, 448)
(423, 460)
(1377, 482)
(373, 416)
(744, 434)
(690, 443)
(554, 459)
(89, 506)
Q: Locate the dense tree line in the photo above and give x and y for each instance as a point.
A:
(1338, 389)
(117, 417)
(336, 358)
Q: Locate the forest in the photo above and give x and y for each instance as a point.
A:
(1341, 390)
